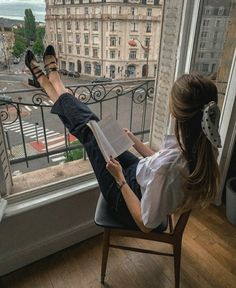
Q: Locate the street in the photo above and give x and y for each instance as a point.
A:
(37, 122)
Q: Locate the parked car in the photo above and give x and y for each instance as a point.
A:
(16, 60)
(73, 74)
(63, 71)
(102, 79)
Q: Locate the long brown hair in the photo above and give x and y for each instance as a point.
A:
(188, 96)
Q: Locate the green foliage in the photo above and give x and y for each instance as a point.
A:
(30, 26)
(74, 154)
(19, 45)
(38, 47)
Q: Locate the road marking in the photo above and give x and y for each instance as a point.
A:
(62, 143)
(56, 159)
(35, 107)
(46, 103)
(51, 101)
(27, 108)
(55, 139)
(49, 136)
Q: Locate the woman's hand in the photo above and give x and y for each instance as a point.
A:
(127, 131)
(114, 167)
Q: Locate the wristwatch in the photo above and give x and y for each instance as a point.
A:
(120, 185)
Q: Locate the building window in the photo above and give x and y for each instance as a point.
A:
(77, 38)
(132, 11)
(68, 11)
(149, 12)
(59, 37)
(60, 48)
(86, 51)
(147, 41)
(208, 11)
(132, 54)
(221, 11)
(78, 50)
(119, 54)
(87, 68)
(95, 40)
(86, 11)
(205, 22)
(112, 26)
(112, 41)
(68, 25)
(69, 49)
(134, 27)
(77, 25)
(86, 39)
(215, 36)
(120, 10)
(204, 34)
(112, 54)
(202, 45)
(217, 23)
(200, 54)
(149, 27)
(95, 52)
(70, 37)
(85, 25)
(95, 26)
(204, 67)
(71, 66)
(213, 55)
(97, 68)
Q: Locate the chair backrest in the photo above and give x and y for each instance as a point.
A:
(181, 223)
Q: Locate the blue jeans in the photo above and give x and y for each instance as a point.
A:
(75, 116)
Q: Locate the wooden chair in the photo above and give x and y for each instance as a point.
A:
(105, 219)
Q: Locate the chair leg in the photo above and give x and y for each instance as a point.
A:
(106, 242)
(177, 260)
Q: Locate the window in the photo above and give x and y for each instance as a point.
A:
(217, 23)
(149, 12)
(86, 11)
(68, 11)
(77, 37)
(87, 68)
(202, 45)
(68, 25)
(200, 54)
(95, 26)
(71, 66)
(60, 48)
(112, 54)
(77, 25)
(204, 67)
(112, 26)
(149, 27)
(132, 11)
(95, 40)
(147, 42)
(205, 22)
(86, 39)
(132, 54)
(221, 11)
(85, 25)
(59, 37)
(134, 27)
(69, 49)
(204, 34)
(95, 52)
(86, 51)
(112, 41)
(70, 37)
(78, 50)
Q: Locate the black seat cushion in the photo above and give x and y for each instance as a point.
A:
(104, 217)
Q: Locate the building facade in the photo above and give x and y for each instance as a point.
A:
(92, 37)
(211, 36)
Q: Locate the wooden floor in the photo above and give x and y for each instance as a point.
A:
(208, 260)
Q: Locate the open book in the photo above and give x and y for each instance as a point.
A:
(111, 139)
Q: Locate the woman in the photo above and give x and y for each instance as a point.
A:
(184, 174)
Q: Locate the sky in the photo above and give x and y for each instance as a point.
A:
(14, 9)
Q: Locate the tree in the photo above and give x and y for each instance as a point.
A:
(30, 26)
(38, 47)
(19, 45)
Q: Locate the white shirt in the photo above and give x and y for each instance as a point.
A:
(161, 183)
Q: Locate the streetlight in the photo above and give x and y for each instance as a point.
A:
(146, 49)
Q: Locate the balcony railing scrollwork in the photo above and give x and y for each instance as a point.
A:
(37, 134)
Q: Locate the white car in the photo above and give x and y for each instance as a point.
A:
(16, 60)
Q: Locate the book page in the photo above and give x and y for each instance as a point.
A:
(104, 145)
(111, 139)
(118, 139)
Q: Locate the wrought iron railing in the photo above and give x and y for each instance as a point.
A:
(32, 132)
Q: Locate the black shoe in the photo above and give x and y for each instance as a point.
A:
(36, 71)
(50, 51)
